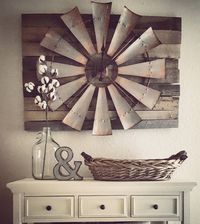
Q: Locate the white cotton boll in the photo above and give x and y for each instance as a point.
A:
(44, 89)
(52, 96)
(45, 80)
(26, 85)
(42, 69)
(40, 104)
(50, 85)
(29, 86)
(44, 105)
(37, 99)
(28, 90)
(54, 72)
(55, 83)
(39, 89)
(42, 59)
(51, 88)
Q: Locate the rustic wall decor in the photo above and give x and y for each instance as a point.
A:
(116, 71)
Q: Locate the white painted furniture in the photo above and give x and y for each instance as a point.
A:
(96, 201)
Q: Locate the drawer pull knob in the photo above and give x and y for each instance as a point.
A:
(155, 206)
(48, 208)
(102, 207)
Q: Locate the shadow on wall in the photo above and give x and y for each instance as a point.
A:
(6, 207)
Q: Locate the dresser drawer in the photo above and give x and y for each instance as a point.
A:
(45, 207)
(155, 206)
(103, 206)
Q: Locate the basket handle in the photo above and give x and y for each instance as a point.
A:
(182, 155)
(87, 157)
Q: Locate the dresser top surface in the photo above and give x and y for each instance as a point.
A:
(95, 186)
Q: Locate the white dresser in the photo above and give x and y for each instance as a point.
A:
(100, 201)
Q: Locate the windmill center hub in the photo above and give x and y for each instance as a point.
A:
(101, 70)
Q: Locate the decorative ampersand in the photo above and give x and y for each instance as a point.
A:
(64, 162)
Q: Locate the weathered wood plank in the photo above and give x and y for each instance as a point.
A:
(171, 63)
(58, 126)
(40, 115)
(168, 36)
(166, 89)
(164, 103)
(36, 34)
(161, 51)
(59, 115)
(29, 62)
(165, 36)
(29, 105)
(53, 20)
(157, 124)
(48, 20)
(165, 51)
(34, 49)
(160, 23)
(172, 76)
(157, 115)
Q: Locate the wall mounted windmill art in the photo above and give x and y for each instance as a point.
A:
(116, 71)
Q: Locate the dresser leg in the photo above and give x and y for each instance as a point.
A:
(186, 210)
(18, 205)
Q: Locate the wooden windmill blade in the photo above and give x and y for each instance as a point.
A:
(143, 94)
(77, 114)
(102, 124)
(101, 18)
(127, 115)
(65, 70)
(151, 69)
(145, 42)
(54, 42)
(125, 26)
(65, 91)
(74, 22)
(165, 51)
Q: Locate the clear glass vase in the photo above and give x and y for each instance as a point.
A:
(43, 155)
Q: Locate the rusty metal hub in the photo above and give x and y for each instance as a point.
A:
(101, 70)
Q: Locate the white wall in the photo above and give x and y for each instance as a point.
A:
(15, 143)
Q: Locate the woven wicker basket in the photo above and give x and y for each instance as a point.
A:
(134, 170)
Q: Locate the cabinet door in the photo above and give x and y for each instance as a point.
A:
(103, 206)
(46, 207)
(155, 206)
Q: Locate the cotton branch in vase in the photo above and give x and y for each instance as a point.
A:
(47, 86)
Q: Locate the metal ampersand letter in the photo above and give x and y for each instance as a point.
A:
(64, 162)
